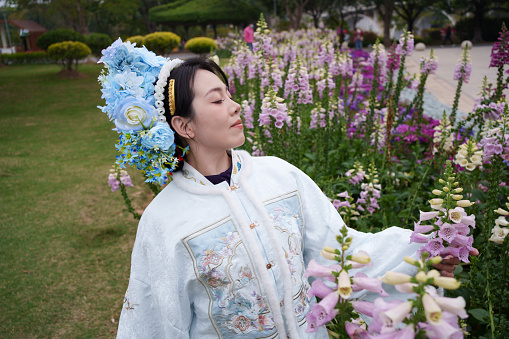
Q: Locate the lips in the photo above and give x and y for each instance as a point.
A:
(238, 124)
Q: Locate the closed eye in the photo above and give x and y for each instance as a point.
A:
(219, 101)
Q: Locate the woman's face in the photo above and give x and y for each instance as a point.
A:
(217, 125)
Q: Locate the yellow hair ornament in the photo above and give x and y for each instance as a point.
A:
(171, 96)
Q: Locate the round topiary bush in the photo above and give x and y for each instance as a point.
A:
(68, 52)
(201, 45)
(97, 42)
(138, 39)
(161, 42)
(58, 35)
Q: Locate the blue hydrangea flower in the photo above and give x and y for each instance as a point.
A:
(159, 136)
(150, 58)
(109, 52)
(130, 82)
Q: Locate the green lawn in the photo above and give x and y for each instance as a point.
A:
(65, 238)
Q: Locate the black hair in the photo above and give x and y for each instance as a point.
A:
(184, 76)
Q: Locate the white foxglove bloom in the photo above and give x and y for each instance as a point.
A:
(453, 305)
(431, 309)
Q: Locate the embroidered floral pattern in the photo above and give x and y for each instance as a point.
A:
(238, 307)
(286, 215)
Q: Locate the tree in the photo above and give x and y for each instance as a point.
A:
(73, 14)
(385, 8)
(294, 10)
(205, 12)
(318, 7)
(411, 10)
(478, 7)
(113, 17)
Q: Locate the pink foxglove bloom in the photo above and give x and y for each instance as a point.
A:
(500, 50)
(125, 179)
(325, 310)
(355, 330)
(427, 215)
(319, 289)
(363, 307)
(362, 282)
(406, 287)
(418, 238)
(392, 317)
(113, 182)
(463, 68)
(319, 271)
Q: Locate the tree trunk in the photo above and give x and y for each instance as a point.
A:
(387, 15)
(478, 19)
(315, 19)
(83, 29)
(410, 24)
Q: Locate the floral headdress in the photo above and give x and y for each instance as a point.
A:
(135, 105)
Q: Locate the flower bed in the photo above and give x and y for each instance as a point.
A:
(341, 117)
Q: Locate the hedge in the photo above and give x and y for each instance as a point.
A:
(25, 58)
(97, 42)
(201, 45)
(58, 35)
(161, 42)
(138, 39)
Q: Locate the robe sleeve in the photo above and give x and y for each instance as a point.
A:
(153, 307)
(386, 249)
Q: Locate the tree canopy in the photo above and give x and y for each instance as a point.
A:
(203, 12)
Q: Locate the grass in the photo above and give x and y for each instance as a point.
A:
(65, 238)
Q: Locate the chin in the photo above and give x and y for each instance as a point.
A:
(241, 142)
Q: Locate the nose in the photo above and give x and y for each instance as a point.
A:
(236, 107)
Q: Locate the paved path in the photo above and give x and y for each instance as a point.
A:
(442, 84)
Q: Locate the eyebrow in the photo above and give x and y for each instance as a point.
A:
(216, 89)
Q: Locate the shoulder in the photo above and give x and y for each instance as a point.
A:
(165, 212)
(269, 169)
(268, 164)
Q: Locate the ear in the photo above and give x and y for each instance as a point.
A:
(182, 128)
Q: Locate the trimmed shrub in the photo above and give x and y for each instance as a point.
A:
(97, 42)
(201, 45)
(58, 35)
(68, 52)
(25, 58)
(161, 42)
(138, 39)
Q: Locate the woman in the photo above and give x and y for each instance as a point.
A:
(221, 251)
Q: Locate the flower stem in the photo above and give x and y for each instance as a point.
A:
(127, 201)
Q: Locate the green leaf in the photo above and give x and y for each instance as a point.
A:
(480, 314)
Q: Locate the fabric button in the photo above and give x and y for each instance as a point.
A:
(269, 266)
(253, 225)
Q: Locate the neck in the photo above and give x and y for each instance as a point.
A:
(209, 163)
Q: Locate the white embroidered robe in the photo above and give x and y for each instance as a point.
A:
(220, 261)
